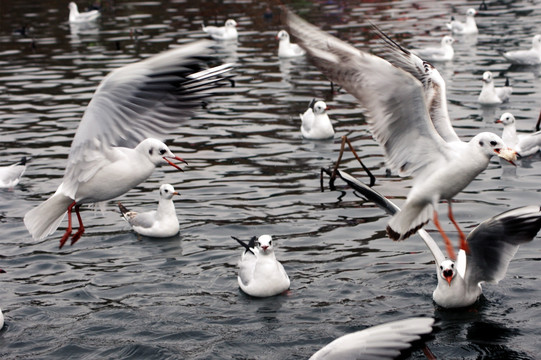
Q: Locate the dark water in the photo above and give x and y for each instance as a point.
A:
(114, 295)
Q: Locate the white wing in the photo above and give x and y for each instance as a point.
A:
(143, 220)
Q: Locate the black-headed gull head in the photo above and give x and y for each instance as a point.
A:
(73, 6)
(447, 270)
(282, 35)
(264, 244)
(506, 119)
(230, 23)
(471, 12)
(167, 191)
(491, 144)
(320, 107)
(487, 77)
(158, 152)
(447, 40)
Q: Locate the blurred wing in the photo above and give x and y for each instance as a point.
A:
(394, 100)
(379, 342)
(10, 175)
(529, 143)
(247, 267)
(143, 220)
(495, 241)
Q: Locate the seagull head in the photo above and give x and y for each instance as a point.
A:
(447, 270)
(320, 107)
(282, 35)
(487, 77)
(506, 119)
(73, 6)
(447, 40)
(491, 144)
(264, 244)
(167, 191)
(158, 152)
(230, 23)
(471, 12)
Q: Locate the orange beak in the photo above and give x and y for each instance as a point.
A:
(175, 165)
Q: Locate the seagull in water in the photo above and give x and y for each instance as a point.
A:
(399, 119)
(11, 175)
(467, 28)
(492, 245)
(260, 274)
(380, 342)
(316, 124)
(109, 154)
(285, 48)
(77, 17)
(159, 223)
(491, 95)
(525, 57)
(524, 144)
(226, 32)
(443, 53)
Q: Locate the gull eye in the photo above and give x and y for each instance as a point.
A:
(166, 190)
(493, 143)
(270, 243)
(452, 266)
(150, 152)
(481, 143)
(441, 267)
(162, 151)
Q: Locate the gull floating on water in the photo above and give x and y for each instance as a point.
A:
(260, 274)
(443, 53)
(159, 223)
(399, 119)
(316, 124)
(109, 154)
(467, 28)
(77, 17)
(525, 57)
(491, 95)
(492, 245)
(11, 175)
(380, 342)
(524, 144)
(226, 32)
(285, 48)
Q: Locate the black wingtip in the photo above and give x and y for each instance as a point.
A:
(249, 246)
(22, 161)
(122, 208)
(312, 103)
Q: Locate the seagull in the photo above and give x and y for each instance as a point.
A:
(525, 57)
(524, 144)
(492, 245)
(443, 53)
(159, 223)
(468, 28)
(285, 48)
(316, 124)
(112, 152)
(491, 95)
(399, 119)
(77, 17)
(260, 274)
(11, 175)
(227, 32)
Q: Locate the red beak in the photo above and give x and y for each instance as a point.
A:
(175, 165)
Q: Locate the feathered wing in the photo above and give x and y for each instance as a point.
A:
(530, 143)
(10, 175)
(143, 220)
(495, 241)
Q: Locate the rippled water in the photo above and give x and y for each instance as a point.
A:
(115, 295)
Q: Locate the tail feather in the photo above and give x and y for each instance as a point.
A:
(44, 219)
(408, 221)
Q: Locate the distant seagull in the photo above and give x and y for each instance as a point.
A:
(492, 245)
(524, 144)
(380, 342)
(525, 57)
(443, 53)
(285, 48)
(226, 32)
(316, 124)
(260, 274)
(467, 28)
(159, 223)
(10, 175)
(491, 95)
(77, 17)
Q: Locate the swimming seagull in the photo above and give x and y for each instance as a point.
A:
(109, 154)
(11, 175)
(525, 57)
(380, 342)
(316, 124)
(524, 144)
(443, 53)
(226, 32)
(159, 223)
(492, 245)
(77, 17)
(285, 48)
(467, 28)
(260, 274)
(398, 117)
(491, 95)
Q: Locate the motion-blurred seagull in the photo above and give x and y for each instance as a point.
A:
(443, 53)
(226, 32)
(467, 28)
(492, 245)
(524, 144)
(77, 17)
(109, 154)
(398, 117)
(11, 175)
(491, 95)
(316, 124)
(285, 48)
(260, 274)
(525, 57)
(159, 223)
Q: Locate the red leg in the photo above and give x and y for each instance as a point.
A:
(448, 244)
(463, 243)
(81, 229)
(69, 229)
